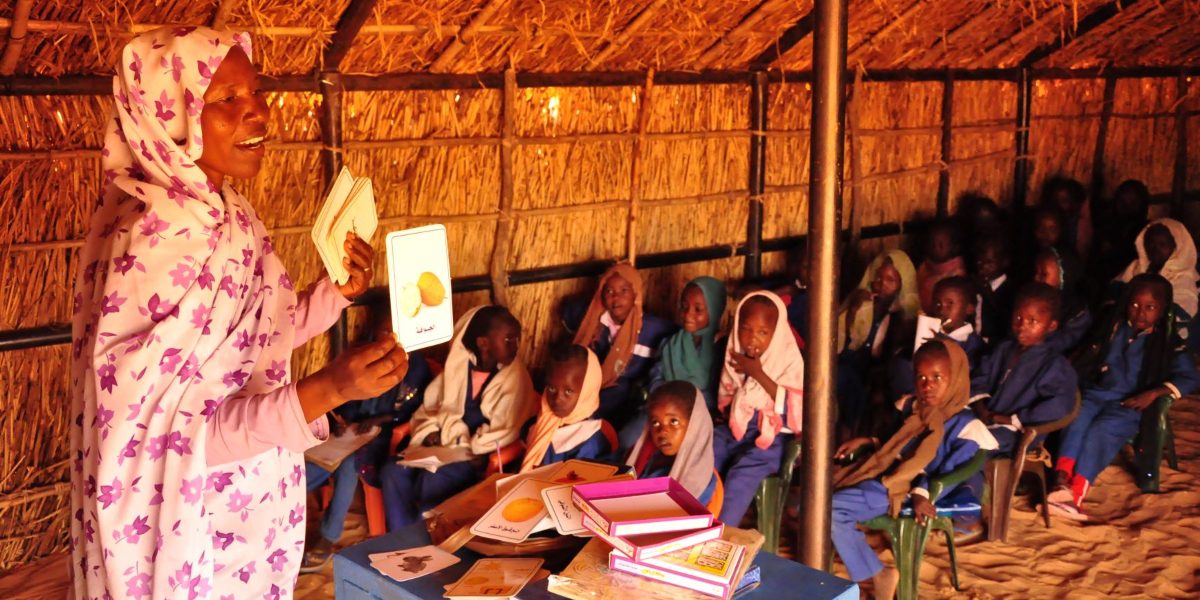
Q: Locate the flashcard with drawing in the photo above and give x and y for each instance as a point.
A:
(495, 578)
(581, 471)
(515, 516)
(411, 563)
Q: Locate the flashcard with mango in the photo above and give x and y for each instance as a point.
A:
(419, 284)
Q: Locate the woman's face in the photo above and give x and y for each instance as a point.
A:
(233, 121)
(693, 310)
(887, 281)
(618, 298)
(563, 384)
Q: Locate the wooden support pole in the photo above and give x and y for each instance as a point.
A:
(348, 26)
(505, 222)
(466, 35)
(828, 127)
(1179, 181)
(331, 162)
(16, 37)
(943, 195)
(1106, 112)
(758, 174)
(636, 25)
(635, 166)
(1021, 163)
(224, 10)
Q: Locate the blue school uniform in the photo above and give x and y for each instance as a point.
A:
(1071, 331)
(963, 437)
(1038, 387)
(616, 401)
(797, 311)
(853, 370)
(995, 312)
(595, 447)
(1103, 426)
(409, 492)
(400, 402)
(657, 466)
(900, 369)
(743, 466)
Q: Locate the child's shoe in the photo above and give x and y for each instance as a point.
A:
(1068, 510)
(1060, 495)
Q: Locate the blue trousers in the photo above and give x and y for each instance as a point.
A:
(1096, 436)
(345, 482)
(408, 492)
(742, 466)
(860, 502)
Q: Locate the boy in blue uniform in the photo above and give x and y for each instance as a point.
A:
(1024, 380)
(1133, 360)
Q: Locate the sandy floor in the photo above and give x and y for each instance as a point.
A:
(1145, 546)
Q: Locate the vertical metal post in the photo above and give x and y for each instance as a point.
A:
(1179, 181)
(331, 163)
(1021, 164)
(825, 188)
(758, 174)
(943, 197)
(504, 224)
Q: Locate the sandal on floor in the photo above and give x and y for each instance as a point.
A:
(1068, 510)
(315, 560)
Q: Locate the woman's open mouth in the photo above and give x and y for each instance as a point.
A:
(254, 144)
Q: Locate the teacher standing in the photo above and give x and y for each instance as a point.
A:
(188, 431)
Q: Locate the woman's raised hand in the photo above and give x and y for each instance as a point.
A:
(359, 258)
(359, 373)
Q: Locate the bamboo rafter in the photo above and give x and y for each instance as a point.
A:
(749, 23)
(16, 37)
(632, 29)
(466, 35)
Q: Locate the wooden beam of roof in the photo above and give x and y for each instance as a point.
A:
(1006, 46)
(224, 11)
(748, 23)
(792, 36)
(16, 37)
(466, 34)
(348, 26)
(900, 21)
(618, 42)
(1098, 17)
(1099, 39)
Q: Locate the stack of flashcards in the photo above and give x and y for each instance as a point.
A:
(534, 501)
(350, 206)
(419, 284)
(494, 578)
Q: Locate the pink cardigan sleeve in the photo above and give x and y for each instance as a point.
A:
(243, 427)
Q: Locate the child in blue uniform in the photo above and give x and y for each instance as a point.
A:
(938, 433)
(955, 300)
(996, 288)
(691, 353)
(479, 401)
(1050, 268)
(565, 427)
(762, 383)
(1025, 380)
(678, 441)
(1131, 363)
(624, 338)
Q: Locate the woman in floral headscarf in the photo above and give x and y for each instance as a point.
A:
(187, 478)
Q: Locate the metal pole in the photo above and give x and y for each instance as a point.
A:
(828, 124)
(758, 174)
(331, 163)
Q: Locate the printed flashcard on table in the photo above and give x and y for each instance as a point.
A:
(419, 284)
(571, 471)
(411, 563)
(349, 206)
(516, 515)
(568, 519)
(495, 578)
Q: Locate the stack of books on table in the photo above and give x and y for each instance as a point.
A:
(658, 531)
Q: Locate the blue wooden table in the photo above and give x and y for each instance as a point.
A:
(355, 579)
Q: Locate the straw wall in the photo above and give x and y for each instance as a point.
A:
(1141, 139)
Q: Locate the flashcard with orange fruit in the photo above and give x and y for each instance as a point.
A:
(419, 285)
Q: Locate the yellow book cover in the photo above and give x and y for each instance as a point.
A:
(712, 560)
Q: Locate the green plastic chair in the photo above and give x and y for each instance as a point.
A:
(908, 539)
(772, 495)
(1154, 439)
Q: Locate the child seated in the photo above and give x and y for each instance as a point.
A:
(1024, 380)
(1132, 361)
(565, 427)
(1117, 230)
(691, 353)
(1070, 199)
(480, 400)
(937, 434)
(624, 338)
(761, 390)
(874, 322)
(942, 260)
(996, 289)
(1166, 247)
(1050, 268)
(954, 299)
(678, 441)
(387, 411)
(795, 292)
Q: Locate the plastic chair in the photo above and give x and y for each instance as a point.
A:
(1005, 473)
(717, 501)
(1154, 436)
(908, 539)
(772, 495)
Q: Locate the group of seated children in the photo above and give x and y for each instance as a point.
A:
(1014, 345)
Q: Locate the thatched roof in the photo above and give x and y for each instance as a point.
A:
(473, 36)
